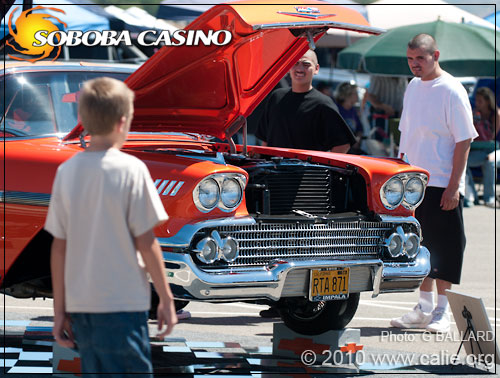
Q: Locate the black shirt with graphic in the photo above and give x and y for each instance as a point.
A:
(308, 120)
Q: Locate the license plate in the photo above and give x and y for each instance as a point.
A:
(329, 284)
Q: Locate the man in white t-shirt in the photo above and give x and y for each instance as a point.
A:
(102, 212)
(436, 132)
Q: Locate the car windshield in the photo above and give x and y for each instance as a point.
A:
(44, 103)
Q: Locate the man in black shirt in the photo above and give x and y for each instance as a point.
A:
(302, 117)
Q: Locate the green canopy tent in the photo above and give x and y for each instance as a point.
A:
(466, 50)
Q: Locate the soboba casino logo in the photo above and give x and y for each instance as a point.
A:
(28, 24)
(37, 36)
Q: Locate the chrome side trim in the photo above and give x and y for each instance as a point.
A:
(183, 238)
(76, 66)
(25, 198)
(30, 137)
(177, 188)
(398, 219)
(318, 24)
(160, 184)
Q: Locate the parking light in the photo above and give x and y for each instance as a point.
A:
(207, 250)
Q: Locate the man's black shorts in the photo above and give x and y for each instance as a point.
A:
(443, 235)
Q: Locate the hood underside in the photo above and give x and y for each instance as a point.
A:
(208, 89)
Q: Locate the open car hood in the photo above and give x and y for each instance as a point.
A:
(209, 89)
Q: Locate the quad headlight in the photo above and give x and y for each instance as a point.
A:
(406, 189)
(414, 192)
(231, 193)
(208, 194)
(392, 193)
(222, 190)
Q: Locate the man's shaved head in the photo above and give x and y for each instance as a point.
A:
(423, 41)
(423, 55)
(303, 71)
(312, 56)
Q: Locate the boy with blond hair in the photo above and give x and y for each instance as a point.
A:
(102, 212)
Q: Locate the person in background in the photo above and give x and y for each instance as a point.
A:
(436, 133)
(486, 117)
(386, 93)
(346, 97)
(385, 96)
(103, 209)
(325, 88)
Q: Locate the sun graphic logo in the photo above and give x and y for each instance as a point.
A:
(27, 25)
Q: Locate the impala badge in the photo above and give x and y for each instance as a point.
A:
(166, 187)
(307, 12)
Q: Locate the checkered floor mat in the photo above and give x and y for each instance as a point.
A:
(31, 352)
(28, 352)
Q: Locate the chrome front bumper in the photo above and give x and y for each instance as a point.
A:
(287, 278)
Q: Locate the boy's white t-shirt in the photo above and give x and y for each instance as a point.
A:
(100, 201)
(436, 115)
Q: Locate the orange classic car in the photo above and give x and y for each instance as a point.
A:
(306, 230)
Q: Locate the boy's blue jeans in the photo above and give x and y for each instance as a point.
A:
(115, 342)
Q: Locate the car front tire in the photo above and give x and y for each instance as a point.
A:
(315, 318)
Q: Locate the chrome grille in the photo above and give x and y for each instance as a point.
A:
(263, 242)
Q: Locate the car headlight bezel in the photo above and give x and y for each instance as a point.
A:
(219, 179)
(197, 195)
(422, 179)
(403, 179)
(227, 205)
(383, 195)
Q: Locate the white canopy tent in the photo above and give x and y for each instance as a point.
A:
(139, 17)
(343, 38)
(390, 14)
(150, 20)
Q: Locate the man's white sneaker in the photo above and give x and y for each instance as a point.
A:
(493, 204)
(413, 319)
(440, 322)
(181, 314)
